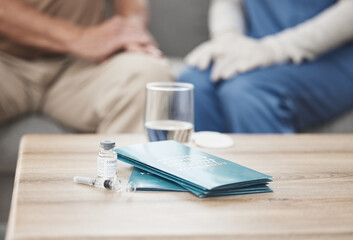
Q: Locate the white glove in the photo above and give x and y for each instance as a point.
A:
(206, 52)
(233, 53)
(245, 54)
(201, 56)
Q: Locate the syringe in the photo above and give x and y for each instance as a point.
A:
(101, 183)
(107, 183)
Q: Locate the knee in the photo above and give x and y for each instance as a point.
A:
(124, 78)
(138, 69)
(237, 91)
(151, 69)
(193, 75)
(200, 80)
(255, 107)
(189, 74)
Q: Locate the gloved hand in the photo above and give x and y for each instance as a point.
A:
(206, 52)
(245, 54)
(233, 53)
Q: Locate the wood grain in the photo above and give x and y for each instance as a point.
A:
(312, 198)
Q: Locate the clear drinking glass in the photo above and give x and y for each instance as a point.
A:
(169, 111)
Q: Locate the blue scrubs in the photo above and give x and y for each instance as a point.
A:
(284, 98)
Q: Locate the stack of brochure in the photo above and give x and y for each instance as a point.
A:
(171, 166)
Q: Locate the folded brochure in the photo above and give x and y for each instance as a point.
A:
(146, 181)
(203, 174)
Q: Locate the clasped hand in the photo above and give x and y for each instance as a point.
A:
(116, 34)
(231, 54)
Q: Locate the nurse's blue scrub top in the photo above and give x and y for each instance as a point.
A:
(267, 17)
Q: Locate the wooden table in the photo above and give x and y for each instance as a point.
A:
(312, 198)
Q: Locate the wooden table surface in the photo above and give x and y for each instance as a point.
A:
(312, 198)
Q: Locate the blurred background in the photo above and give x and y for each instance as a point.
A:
(179, 26)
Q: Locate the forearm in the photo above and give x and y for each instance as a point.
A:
(31, 27)
(134, 10)
(324, 32)
(226, 16)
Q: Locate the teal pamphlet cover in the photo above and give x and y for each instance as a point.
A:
(200, 173)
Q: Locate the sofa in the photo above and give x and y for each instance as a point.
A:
(178, 27)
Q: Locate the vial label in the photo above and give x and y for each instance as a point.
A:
(107, 167)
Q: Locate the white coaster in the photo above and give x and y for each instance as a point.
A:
(212, 140)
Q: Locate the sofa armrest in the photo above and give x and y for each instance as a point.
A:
(11, 133)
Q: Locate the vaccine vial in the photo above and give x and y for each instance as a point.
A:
(107, 163)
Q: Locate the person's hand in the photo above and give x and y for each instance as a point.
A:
(205, 53)
(100, 42)
(241, 55)
(148, 47)
(201, 56)
(233, 53)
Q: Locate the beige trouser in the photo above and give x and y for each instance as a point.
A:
(105, 98)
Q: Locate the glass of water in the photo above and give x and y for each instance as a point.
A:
(169, 111)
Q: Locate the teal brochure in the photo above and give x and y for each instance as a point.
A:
(200, 173)
(146, 181)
